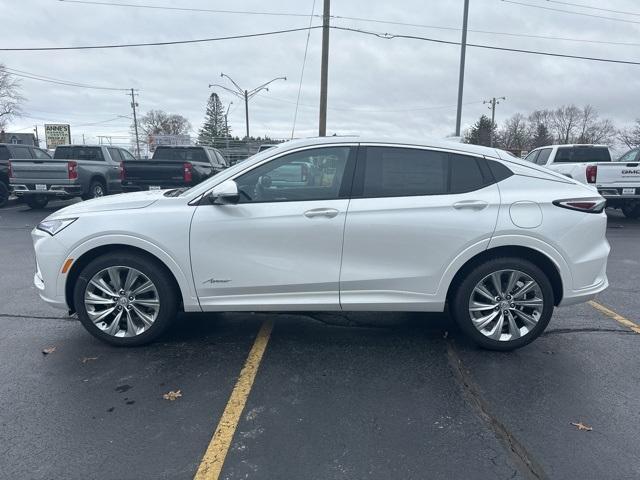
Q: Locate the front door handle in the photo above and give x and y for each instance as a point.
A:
(470, 205)
(321, 212)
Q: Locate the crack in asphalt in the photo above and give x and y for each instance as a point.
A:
(523, 460)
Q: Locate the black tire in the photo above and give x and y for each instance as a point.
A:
(4, 194)
(631, 211)
(162, 280)
(96, 190)
(37, 201)
(460, 300)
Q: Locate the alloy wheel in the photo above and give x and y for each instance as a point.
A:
(122, 301)
(506, 305)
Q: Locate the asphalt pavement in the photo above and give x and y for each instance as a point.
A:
(336, 396)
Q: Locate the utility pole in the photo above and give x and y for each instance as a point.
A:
(37, 138)
(463, 52)
(324, 69)
(226, 126)
(245, 95)
(134, 104)
(83, 138)
(493, 102)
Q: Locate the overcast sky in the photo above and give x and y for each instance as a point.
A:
(393, 87)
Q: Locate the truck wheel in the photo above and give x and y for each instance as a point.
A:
(96, 190)
(37, 201)
(631, 211)
(4, 194)
(125, 299)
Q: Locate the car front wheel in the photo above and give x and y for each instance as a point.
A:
(504, 303)
(125, 299)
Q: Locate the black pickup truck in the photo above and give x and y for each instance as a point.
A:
(10, 151)
(172, 167)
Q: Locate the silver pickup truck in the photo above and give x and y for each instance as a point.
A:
(86, 171)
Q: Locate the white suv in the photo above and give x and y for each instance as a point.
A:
(335, 224)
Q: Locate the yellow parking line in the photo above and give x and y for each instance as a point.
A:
(213, 460)
(616, 316)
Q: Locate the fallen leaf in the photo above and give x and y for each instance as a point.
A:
(582, 426)
(88, 359)
(171, 395)
(48, 350)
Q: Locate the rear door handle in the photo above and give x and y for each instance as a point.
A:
(470, 205)
(321, 212)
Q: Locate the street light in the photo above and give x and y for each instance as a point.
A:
(244, 94)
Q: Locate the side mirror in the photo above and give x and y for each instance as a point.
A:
(224, 194)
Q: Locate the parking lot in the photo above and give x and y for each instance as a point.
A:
(371, 395)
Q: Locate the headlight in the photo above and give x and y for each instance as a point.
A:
(54, 226)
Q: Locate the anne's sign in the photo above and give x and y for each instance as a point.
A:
(57, 134)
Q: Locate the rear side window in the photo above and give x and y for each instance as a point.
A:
(543, 156)
(41, 154)
(115, 154)
(582, 155)
(532, 156)
(79, 153)
(195, 154)
(397, 172)
(4, 153)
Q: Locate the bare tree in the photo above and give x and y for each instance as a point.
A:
(10, 98)
(565, 123)
(515, 133)
(158, 122)
(630, 136)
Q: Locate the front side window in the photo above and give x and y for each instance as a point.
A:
(314, 174)
(630, 156)
(544, 156)
(126, 155)
(532, 156)
(115, 154)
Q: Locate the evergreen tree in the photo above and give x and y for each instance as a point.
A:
(542, 137)
(214, 125)
(480, 132)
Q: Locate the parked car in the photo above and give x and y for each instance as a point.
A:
(87, 171)
(10, 151)
(618, 182)
(171, 167)
(393, 226)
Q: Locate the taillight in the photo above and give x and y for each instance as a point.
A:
(586, 205)
(10, 170)
(188, 172)
(592, 173)
(72, 170)
(121, 172)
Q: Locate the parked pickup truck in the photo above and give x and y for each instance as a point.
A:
(86, 171)
(172, 167)
(618, 182)
(10, 151)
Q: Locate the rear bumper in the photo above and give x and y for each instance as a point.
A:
(617, 193)
(22, 190)
(141, 187)
(584, 294)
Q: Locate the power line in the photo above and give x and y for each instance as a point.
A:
(389, 36)
(368, 20)
(42, 78)
(571, 12)
(185, 9)
(154, 44)
(589, 7)
(304, 62)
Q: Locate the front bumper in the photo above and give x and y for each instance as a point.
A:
(23, 190)
(48, 279)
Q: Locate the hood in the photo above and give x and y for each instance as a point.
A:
(123, 201)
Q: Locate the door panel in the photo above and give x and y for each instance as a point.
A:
(397, 249)
(280, 247)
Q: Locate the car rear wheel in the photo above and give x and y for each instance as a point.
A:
(503, 303)
(125, 299)
(37, 201)
(96, 190)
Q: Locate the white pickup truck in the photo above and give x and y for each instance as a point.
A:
(618, 182)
